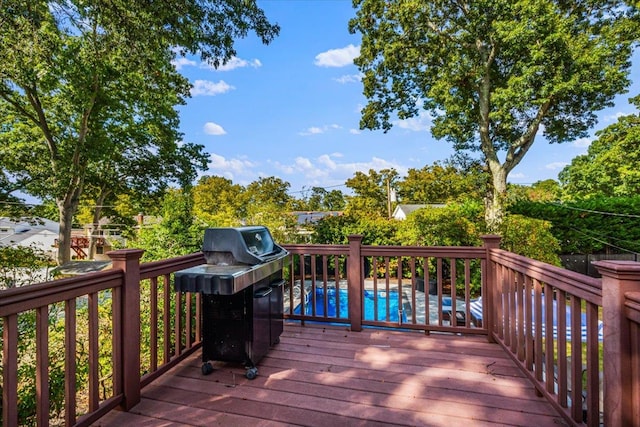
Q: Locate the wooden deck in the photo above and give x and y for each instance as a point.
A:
(329, 376)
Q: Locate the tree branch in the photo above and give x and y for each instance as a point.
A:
(517, 151)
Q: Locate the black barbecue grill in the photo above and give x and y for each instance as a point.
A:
(241, 283)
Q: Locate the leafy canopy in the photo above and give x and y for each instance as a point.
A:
(493, 73)
(88, 93)
(611, 166)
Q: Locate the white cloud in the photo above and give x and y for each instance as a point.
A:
(182, 62)
(421, 123)
(582, 142)
(326, 161)
(337, 57)
(328, 170)
(303, 163)
(616, 116)
(211, 128)
(556, 165)
(315, 130)
(229, 167)
(355, 131)
(234, 63)
(209, 88)
(349, 78)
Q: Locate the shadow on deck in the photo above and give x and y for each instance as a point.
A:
(323, 375)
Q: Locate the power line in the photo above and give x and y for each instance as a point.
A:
(603, 241)
(596, 212)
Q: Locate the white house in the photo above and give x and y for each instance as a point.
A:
(40, 233)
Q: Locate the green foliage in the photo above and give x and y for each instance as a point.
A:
(542, 191)
(611, 166)
(87, 96)
(596, 225)
(442, 182)
(531, 238)
(451, 225)
(494, 73)
(336, 230)
(371, 193)
(177, 233)
(22, 265)
(218, 202)
(322, 200)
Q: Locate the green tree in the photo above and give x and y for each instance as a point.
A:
(494, 73)
(322, 200)
(611, 166)
(372, 196)
(81, 79)
(530, 237)
(218, 202)
(457, 224)
(22, 265)
(176, 234)
(267, 202)
(548, 190)
(441, 183)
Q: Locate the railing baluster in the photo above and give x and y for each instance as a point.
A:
(576, 358)
(118, 325)
(42, 366)
(439, 284)
(70, 362)
(10, 370)
(93, 351)
(166, 319)
(153, 327)
(528, 320)
(177, 325)
(453, 318)
(561, 344)
(188, 324)
(548, 339)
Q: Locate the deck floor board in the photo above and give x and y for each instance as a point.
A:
(329, 376)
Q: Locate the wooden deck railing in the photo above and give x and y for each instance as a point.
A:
(88, 332)
(408, 287)
(590, 380)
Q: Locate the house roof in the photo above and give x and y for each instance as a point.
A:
(402, 210)
(24, 231)
(310, 217)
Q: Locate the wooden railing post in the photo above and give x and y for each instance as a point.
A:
(490, 288)
(618, 277)
(128, 260)
(354, 282)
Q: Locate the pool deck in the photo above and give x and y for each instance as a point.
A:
(330, 376)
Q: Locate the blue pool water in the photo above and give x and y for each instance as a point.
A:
(339, 307)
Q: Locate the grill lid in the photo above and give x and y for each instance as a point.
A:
(236, 258)
(248, 245)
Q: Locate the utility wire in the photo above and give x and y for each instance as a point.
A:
(603, 241)
(597, 212)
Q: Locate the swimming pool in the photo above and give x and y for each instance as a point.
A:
(339, 307)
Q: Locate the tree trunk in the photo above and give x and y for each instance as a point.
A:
(66, 210)
(496, 194)
(95, 231)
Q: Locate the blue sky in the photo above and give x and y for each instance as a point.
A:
(291, 109)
